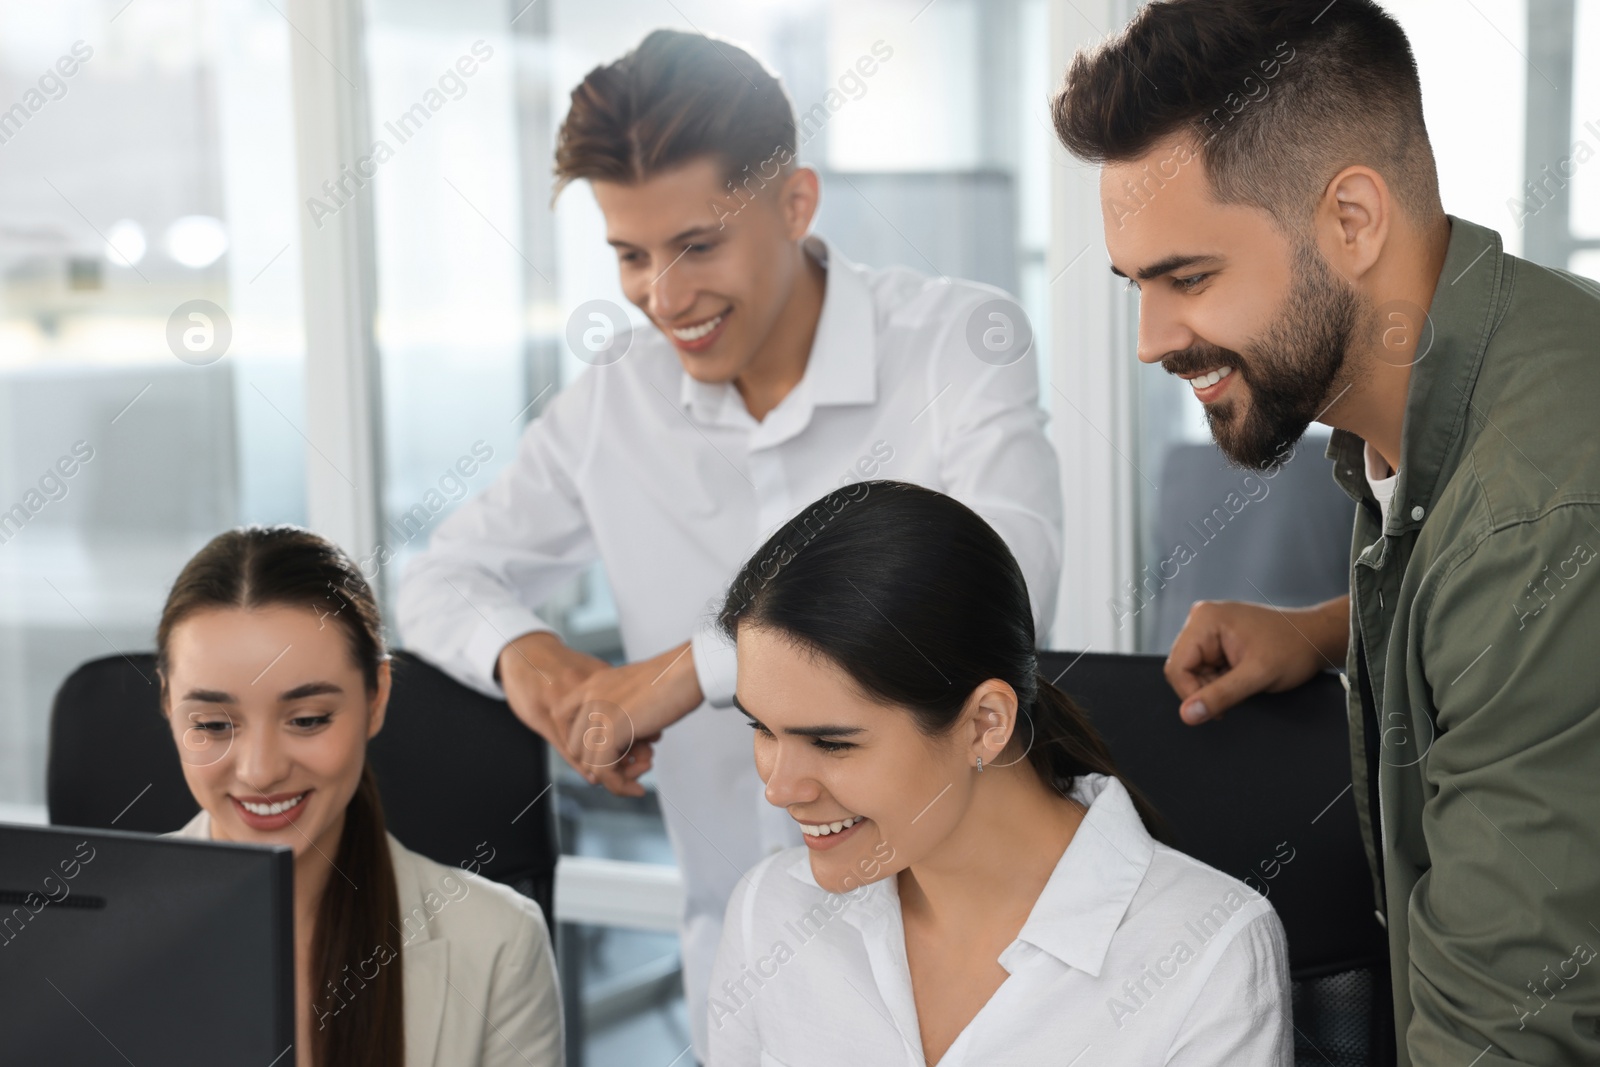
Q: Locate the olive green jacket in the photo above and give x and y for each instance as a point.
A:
(1474, 669)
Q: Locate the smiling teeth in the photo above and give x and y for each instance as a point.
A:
(694, 333)
(272, 809)
(824, 829)
(1206, 381)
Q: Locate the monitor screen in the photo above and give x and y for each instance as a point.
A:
(120, 948)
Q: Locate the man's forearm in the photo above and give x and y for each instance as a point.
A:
(520, 646)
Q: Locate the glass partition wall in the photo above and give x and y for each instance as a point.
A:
(151, 338)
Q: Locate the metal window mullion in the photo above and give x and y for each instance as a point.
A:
(342, 400)
(1552, 30)
(1094, 420)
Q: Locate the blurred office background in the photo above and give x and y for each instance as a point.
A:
(376, 337)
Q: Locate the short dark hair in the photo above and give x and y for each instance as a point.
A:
(1280, 95)
(675, 98)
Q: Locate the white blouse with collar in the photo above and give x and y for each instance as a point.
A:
(478, 972)
(1133, 954)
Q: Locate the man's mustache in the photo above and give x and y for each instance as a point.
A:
(1197, 358)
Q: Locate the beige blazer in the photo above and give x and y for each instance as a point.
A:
(480, 979)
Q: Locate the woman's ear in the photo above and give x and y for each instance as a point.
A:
(380, 699)
(993, 711)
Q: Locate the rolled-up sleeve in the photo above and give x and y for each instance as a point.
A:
(1502, 925)
(716, 664)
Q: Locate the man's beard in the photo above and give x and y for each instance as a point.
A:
(1292, 372)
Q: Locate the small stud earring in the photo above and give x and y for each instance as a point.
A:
(980, 764)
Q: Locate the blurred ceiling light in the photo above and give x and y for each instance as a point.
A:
(196, 240)
(125, 242)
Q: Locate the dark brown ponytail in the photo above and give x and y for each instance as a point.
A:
(1065, 745)
(358, 1017)
(356, 925)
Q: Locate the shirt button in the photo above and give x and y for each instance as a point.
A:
(1417, 512)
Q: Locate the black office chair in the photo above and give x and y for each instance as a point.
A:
(459, 775)
(1270, 781)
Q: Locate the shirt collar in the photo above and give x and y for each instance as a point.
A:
(1089, 892)
(843, 365)
(1086, 897)
(1466, 306)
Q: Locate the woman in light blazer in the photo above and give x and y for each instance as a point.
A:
(274, 675)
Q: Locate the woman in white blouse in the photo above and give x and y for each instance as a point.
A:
(274, 676)
(977, 887)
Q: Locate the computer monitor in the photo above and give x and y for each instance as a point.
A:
(120, 948)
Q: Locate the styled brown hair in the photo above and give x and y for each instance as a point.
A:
(1279, 95)
(254, 567)
(675, 98)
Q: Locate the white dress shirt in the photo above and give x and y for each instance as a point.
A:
(673, 484)
(1134, 954)
(476, 967)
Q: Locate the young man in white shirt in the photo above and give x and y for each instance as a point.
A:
(778, 372)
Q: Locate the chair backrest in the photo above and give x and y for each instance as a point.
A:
(462, 780)
(1263, 794)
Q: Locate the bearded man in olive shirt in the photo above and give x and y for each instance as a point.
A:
(1269, 186)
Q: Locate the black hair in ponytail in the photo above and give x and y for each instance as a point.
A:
(920, 601)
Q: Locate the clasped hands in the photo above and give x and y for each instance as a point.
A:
(601, 719)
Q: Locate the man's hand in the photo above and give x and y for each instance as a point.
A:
(1228, 651)
(537, 670)
(613, 717)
